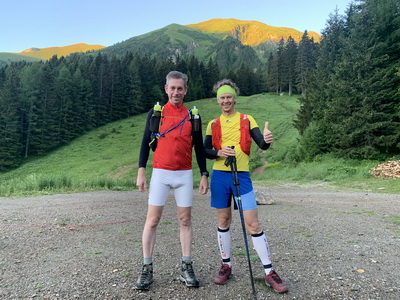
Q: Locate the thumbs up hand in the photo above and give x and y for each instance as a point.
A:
(267, 134)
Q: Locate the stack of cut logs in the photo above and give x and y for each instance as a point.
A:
(389, 169)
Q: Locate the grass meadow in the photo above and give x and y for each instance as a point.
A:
(107, 157)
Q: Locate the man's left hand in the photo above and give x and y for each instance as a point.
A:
(267, 134)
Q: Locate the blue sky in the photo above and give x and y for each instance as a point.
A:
(51, 23)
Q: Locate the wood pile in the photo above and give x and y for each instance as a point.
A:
(389, 169)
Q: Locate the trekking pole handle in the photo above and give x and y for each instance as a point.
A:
(230, 159)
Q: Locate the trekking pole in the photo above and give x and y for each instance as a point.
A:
(231, 160)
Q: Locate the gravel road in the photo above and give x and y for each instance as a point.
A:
(325, 243)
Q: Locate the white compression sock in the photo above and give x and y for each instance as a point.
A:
(261, 245)
(224, 244)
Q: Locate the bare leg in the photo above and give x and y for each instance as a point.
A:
(251, 221)
(186, 231)
(224, 216)
(149, 231)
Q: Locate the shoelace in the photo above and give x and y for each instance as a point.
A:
(276, 278)
(223, 271)
(145, 273)
(189, 269)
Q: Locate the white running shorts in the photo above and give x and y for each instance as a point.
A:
(163, 180)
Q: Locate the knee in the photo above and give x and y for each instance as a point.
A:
(224, 222)
(185, 221)
(254, 227)
(152, 222)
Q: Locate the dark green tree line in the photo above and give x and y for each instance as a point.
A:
(289, 68)
(351, 107)
(44, 105)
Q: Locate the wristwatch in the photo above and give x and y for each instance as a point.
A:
(205, 174)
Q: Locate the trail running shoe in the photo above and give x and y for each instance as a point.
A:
(273, 280)
(145, 277)
(223, 274)
(187, 275)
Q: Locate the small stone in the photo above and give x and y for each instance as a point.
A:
(263, 198)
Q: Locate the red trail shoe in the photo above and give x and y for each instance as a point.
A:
(273, 280)
(223, 274)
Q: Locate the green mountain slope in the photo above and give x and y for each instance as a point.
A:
(204, 39)
(176, 40)
(6, 58)
(107, 157)
(170, 41)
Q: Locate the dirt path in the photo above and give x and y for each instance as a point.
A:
(326, 244)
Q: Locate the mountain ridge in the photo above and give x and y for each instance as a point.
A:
(198, 37)
(251, 33)
(48, 52)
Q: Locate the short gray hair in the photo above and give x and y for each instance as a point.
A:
(177, 75)
(226, 81)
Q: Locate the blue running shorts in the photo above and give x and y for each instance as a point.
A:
(222, 190)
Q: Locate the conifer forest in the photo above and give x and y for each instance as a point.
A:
(348, 86)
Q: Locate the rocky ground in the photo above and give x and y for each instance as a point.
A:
(326, 244)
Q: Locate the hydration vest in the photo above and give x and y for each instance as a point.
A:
(155, 122)
(245, 137)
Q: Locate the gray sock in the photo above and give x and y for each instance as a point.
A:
(148, 260)
(186, 258)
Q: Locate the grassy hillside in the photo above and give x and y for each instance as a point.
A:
(251, 33)
(107, 157)
(7, 58)
(47, 53)
(168, 41)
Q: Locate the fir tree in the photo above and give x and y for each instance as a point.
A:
(10, 121)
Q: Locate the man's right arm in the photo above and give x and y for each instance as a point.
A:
(141, 180)
(144, 155)
(145, 148)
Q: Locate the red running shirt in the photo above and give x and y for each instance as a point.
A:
(174, 149)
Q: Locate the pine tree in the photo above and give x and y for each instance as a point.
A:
(313, 105)
(99, 71)
(48, 120)
(211, 76)
(289, 64)
(134, 91)
(273, 73)
(117, 104)
(80, 93)
(30, 78)
(152, 92)
(10, 121)
(64, 97)
(306, 60)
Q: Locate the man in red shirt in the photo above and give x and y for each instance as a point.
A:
(172, 168)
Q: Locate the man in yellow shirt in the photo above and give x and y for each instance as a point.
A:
(231, 134)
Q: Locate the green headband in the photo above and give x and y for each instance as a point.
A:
(226, 89)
